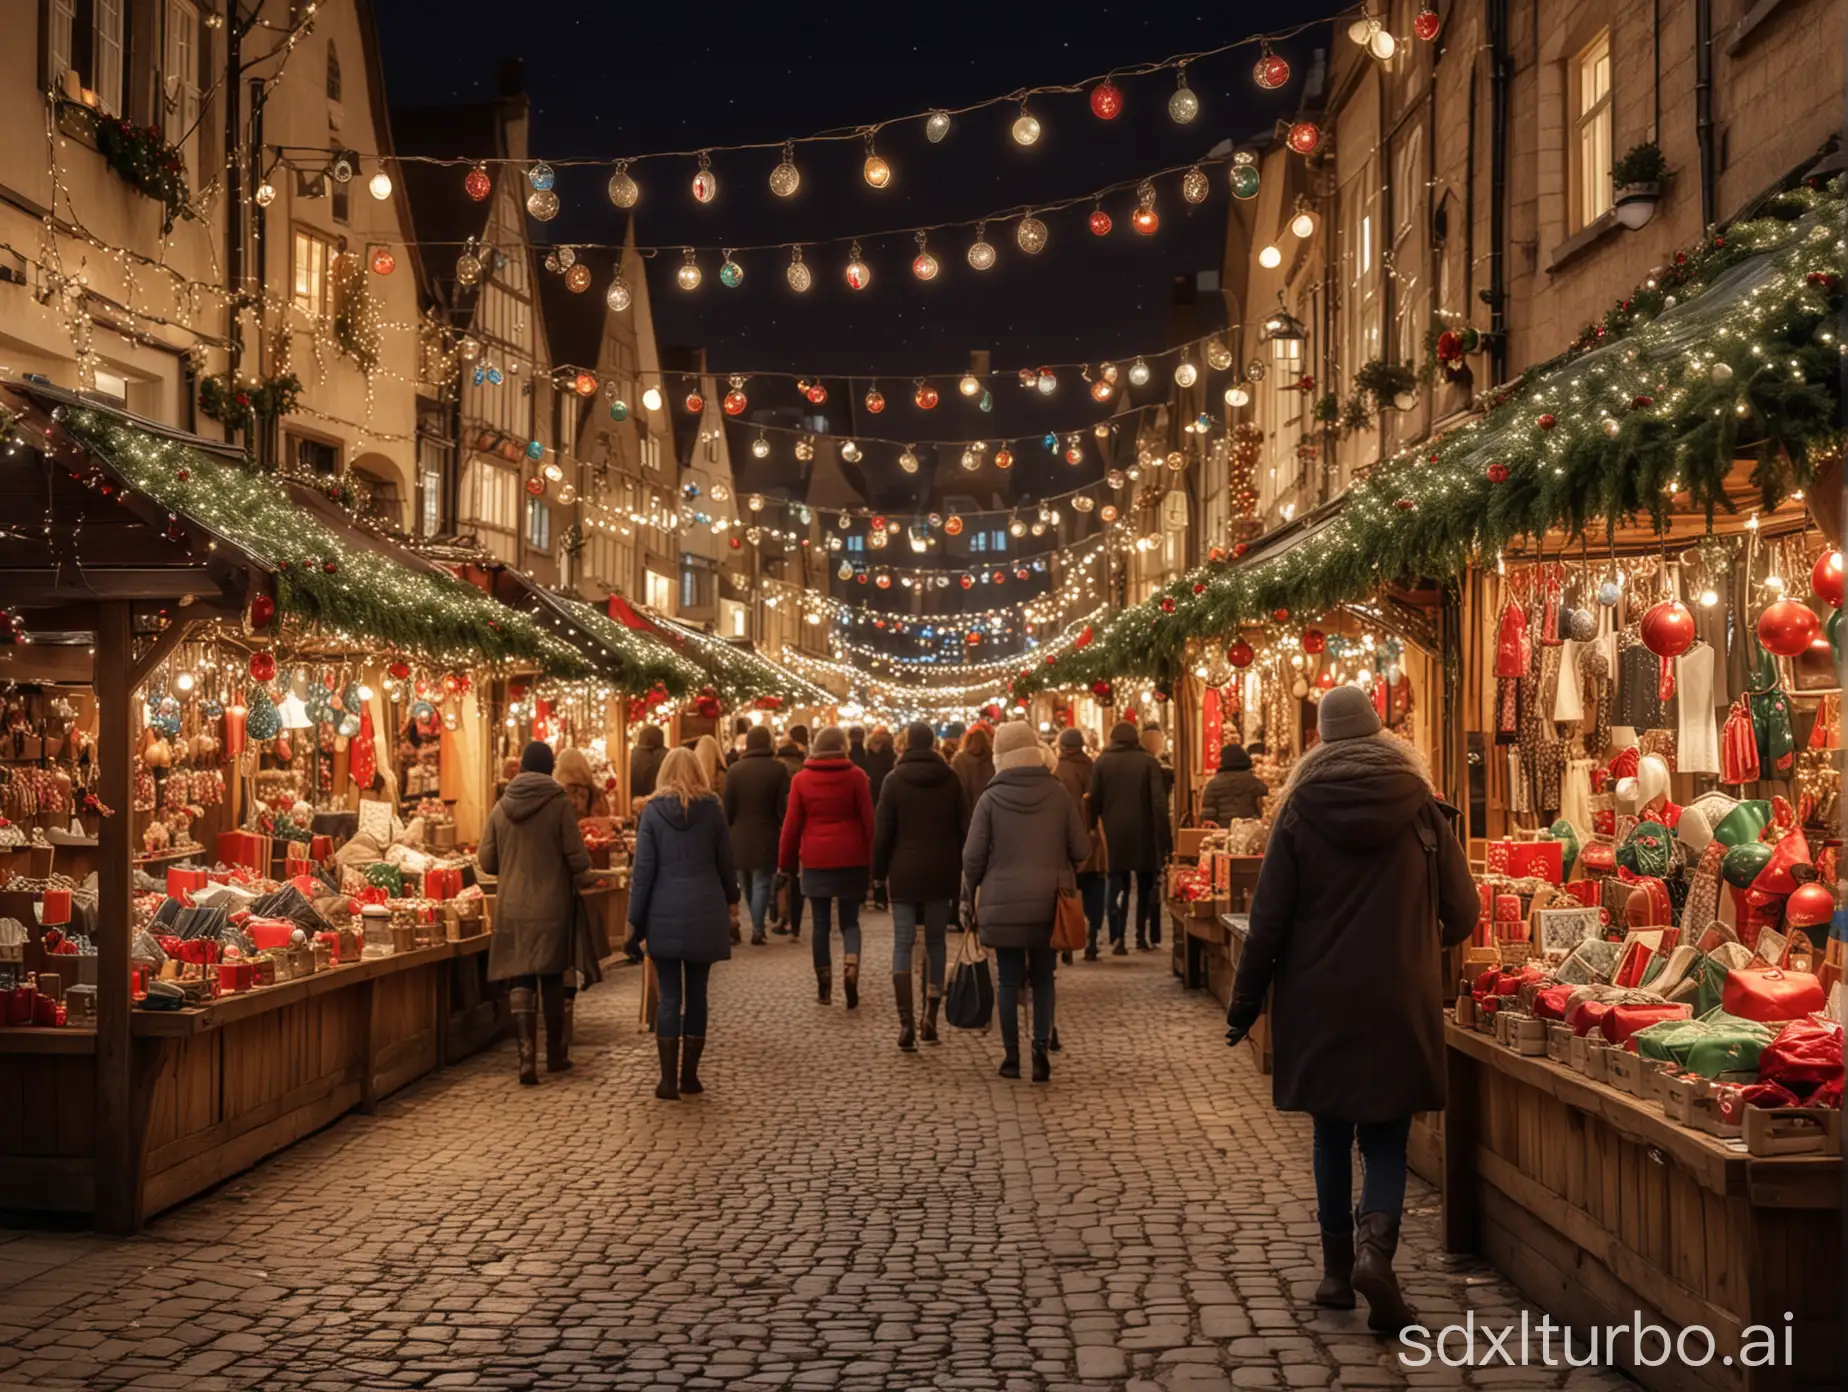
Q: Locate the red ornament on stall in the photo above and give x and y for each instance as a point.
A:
(1240, 654)
(1426, 24)
(1547, 420)
(1167, 604)
(1199, 588)
(1496, 472)
(1668, 628)
(1106, 100)
(263, 609)
(263, 667)
(399, 669)
(1826, 578)
(1102, 691)
(1100, 223)
(972, 637)
(1809, 906)
(1314, 641)
(1280, 614)
(1084, 637)
(329, 567)
(1052, 659)
(736, 543)
(1786, 628)
(1239, 548)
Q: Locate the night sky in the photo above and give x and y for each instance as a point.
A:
(632, 79)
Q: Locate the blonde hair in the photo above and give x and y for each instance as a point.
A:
(681, 777)
(711, 758)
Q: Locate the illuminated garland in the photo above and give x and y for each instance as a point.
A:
(642, 662)
(1676, 384)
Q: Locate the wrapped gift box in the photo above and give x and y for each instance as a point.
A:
(182, 880)
(244, 848)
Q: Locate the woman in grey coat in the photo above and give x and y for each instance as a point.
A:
(532, 848)
(1025, 838)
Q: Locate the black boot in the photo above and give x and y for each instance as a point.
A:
(1378, 1240)
(557, 1037)
(1010, 1063)
(1090, 951)
(524, 1005)
(907, 1026)
(1337, 1289)
(691, 1047)
(931, 1001)
(668, 1047)
(1042, 1065)
(1052, 1040)
(1119, 949)
(850, 981)
(824, 984)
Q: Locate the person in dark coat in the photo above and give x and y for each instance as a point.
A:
(1073, 771)
(532, 848)
(681, 889)
(741, 732)
(645, 763)
(880, 758)
(791, 753)
(918, 832)
(1362, 886)
(856, 746)
(828, 832)
(1127, 800)
(756, 797)
(973, 762)
(1025, 837)
(1234, 793)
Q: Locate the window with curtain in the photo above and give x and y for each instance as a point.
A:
(312, 274)
(1408, 245)
(86, 37)
(1591, 132)
(106, 54)
(538, 524)
(180, 81)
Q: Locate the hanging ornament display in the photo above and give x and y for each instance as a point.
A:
(688, 276)
(731, 274)
(468, 268)
(383, 262)
(1145, 219)
(876, 172)
(908, 461)
(981, 252)
(859, 274)
(263, 721)
(577, 278)
(1426, 24)
(1100, 223)
(541, 177)
(1668, 628)
(476, 184)
(1314, 641)
(1304, 136)
(1183, 105)
(936, 126)
(542, 204)
(705, 182)
(1244, 175)
(875, 400)
(1026, 127)
(1106, 100)
(1826, 578)
(1787, 628)
(1195, 185)
(1240, 654)
(623, 190)
(262, 667)
(785, 179)
(925, 396)
(1004, 458)
(735, 401)
(1030, 236)
(924, 265)
(797, 274)
(618, 297)
(262, 612)
(1271, 70)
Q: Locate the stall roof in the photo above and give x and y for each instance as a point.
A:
(224, 522)
(736, 673)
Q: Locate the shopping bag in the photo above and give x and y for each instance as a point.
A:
(1069, 931)
(969, 997)
(651, 994)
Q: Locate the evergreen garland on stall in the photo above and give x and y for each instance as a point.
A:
(641, 662)
(1729, 352)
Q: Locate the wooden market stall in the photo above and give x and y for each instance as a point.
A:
(167, 620)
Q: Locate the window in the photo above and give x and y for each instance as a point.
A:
(660, 591)
(697, 575)
(490, 500)
(432, 459)
(538, 524)
(313, 274)
(338, 195)
(85, 37)
(316, 456)
(856, 542)
(180, 79)
(60, 41)
(333, 72)
(1591, 135)
(1360, 247)
(1408, 241)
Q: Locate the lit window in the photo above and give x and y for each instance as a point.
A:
(538, 524)
(333, 73)
(180, 79)
(93, 29)
(313, 282)
(1591, 145)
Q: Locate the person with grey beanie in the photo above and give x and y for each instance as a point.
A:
(1362, 886)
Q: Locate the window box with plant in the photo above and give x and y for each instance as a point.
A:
(1393, 386)
(1637, 181)
(241, 404)
(139, 155)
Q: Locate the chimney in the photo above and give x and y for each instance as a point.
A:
(510, 77)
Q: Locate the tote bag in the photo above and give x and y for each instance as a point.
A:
(969, 998)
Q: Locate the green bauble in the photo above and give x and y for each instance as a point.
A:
(1244, 181)
(1834, 629)
(264, 721)
(1743, 862)
(1566, 834)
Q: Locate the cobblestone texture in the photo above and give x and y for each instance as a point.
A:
(831, 1214)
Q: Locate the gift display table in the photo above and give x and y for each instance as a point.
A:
(1597, 1206)
(219, 1087)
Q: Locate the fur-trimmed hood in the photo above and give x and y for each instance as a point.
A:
(1358, 791)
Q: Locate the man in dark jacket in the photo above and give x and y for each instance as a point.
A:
(756, 797)
(917, 852)
(1235, 792)
(856, 746)
(1363, 885)
(1127, 798)
(1074, 773)
(645, 762)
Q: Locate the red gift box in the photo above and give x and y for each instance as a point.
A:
(1496, 856)
(1536, 860)
(55, 907)
(266, 933)
(244, 848)
(1508, 908)
(442, 883)
(181, 881)
(234, 976)
(320, 847)
(1585, 892)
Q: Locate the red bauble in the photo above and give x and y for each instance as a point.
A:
(1668, 628)
(1809, 906)
(1304, 136)
(478, 185)
(737, 543)
(399, 669)
(1280, 614)
(1240, 654)
(1084, 637)
(1314, 640)
(1167, 604)
(263, 608)
(1051, 658)
(1426, 24)
(695, 403)
(1547, 420)
(1239, 548)
(1106, 100)
(1826, 578)
(329, 567)
(1449, 346)
(1271, 71)
(972, 638)
(1641, 403)
(535, 485)
(263, 667)
(875, 401)
(1404, 504)
(735, 403)
(1145, 220)
(1101, 690)
(1496, 473)
(816, 393)
(1199, 588)
(926, 397)
(966, 581)
(1100, 223)
(1786, 628)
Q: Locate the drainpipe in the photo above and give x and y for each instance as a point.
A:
(1703, 109)
(1496, 294)
(234, 205)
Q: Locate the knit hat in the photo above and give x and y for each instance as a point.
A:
(1123, 732)
(1071, 738)
(757, 738)
(918, 735)
(831, 740)
(1346, 713)
(537, 758)
(1233, 759)
(1016, 746)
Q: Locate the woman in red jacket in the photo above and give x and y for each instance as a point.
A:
(828, 831)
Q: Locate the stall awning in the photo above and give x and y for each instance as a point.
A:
(737, 673)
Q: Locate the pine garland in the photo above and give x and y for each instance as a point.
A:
(1729, 350)
(641, 662)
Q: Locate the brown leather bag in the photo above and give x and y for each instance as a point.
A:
(1070, 933)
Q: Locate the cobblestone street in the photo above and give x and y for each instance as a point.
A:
(830, 1214)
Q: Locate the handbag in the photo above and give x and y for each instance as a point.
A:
(1070, 932)
(1771, 995)
(969, 995)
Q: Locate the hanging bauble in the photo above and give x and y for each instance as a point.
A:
(535, 486)
(936, 126)
(798, 275)
(1195, 185)
(805, 449)
(925, 396)
(1004, 458)
(383, 262)
(618, 296)
(1314, 641)
(263, 666)
(859, 274)
(1104, 692)
(1809, 906)
(688, 276)
(1100, 223)
(850, 451)
(262, 611)
(1582, 627)
(264, 721)
(619, 410)
(1496, 472)
(1826, 578)
(1240, 654)
(816, 392)
(735, 402)
(1183, 105)
(1304, 136)
(1145, 220)
(1167, 604)
(1668, 628)
(785, 179)
(1787, 628)
(1244, 176)
(1609, 592)
(876, 172)
(399, 669)
(695, 403)
(1426, 24)
(468, 268)
(542, 204)
(1106, 100)
(705, 182)
(845, 570)
(623, 190)
(981, 252)
(1030, 236)
(1546, 420)
(966, 581)
(1026, 128)
(731, 274)
(875, 401)
(908, 461)
(1720, 374)
(953, 525)
(924, 266)
(1271, 70)
(476, 184)
(1108, 512)
(972, 638)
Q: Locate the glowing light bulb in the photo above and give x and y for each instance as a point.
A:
(1236, 395)
(266, 194)
(970, 385)
(1709, 597)
(1303, 224)
(184, 681)
(652, 399)
(1270, 258)
(1026, 128)
(877, 172)
(1383, 45)
(1138, 373)
(1185, 374)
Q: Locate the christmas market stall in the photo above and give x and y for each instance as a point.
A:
(221, 926)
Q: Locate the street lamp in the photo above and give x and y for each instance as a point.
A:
(1285, 334)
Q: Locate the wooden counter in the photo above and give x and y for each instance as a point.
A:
(1597, 1206)
(218, 1087)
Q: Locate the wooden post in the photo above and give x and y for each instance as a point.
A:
(118, 1182)
(1461, 1229)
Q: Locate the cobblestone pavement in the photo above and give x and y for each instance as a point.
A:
(830, 1214)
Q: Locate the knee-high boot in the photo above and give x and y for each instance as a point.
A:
(525, 1011)
(907, 1025)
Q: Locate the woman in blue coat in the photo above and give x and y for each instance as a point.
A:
(680, 892)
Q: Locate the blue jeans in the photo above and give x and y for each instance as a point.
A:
(757, 886)
(934, 914)
(1024, 966)
(683, 1006)
(1147, 907)
(820, 944)
(1382, 1170)
(1091, 893)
